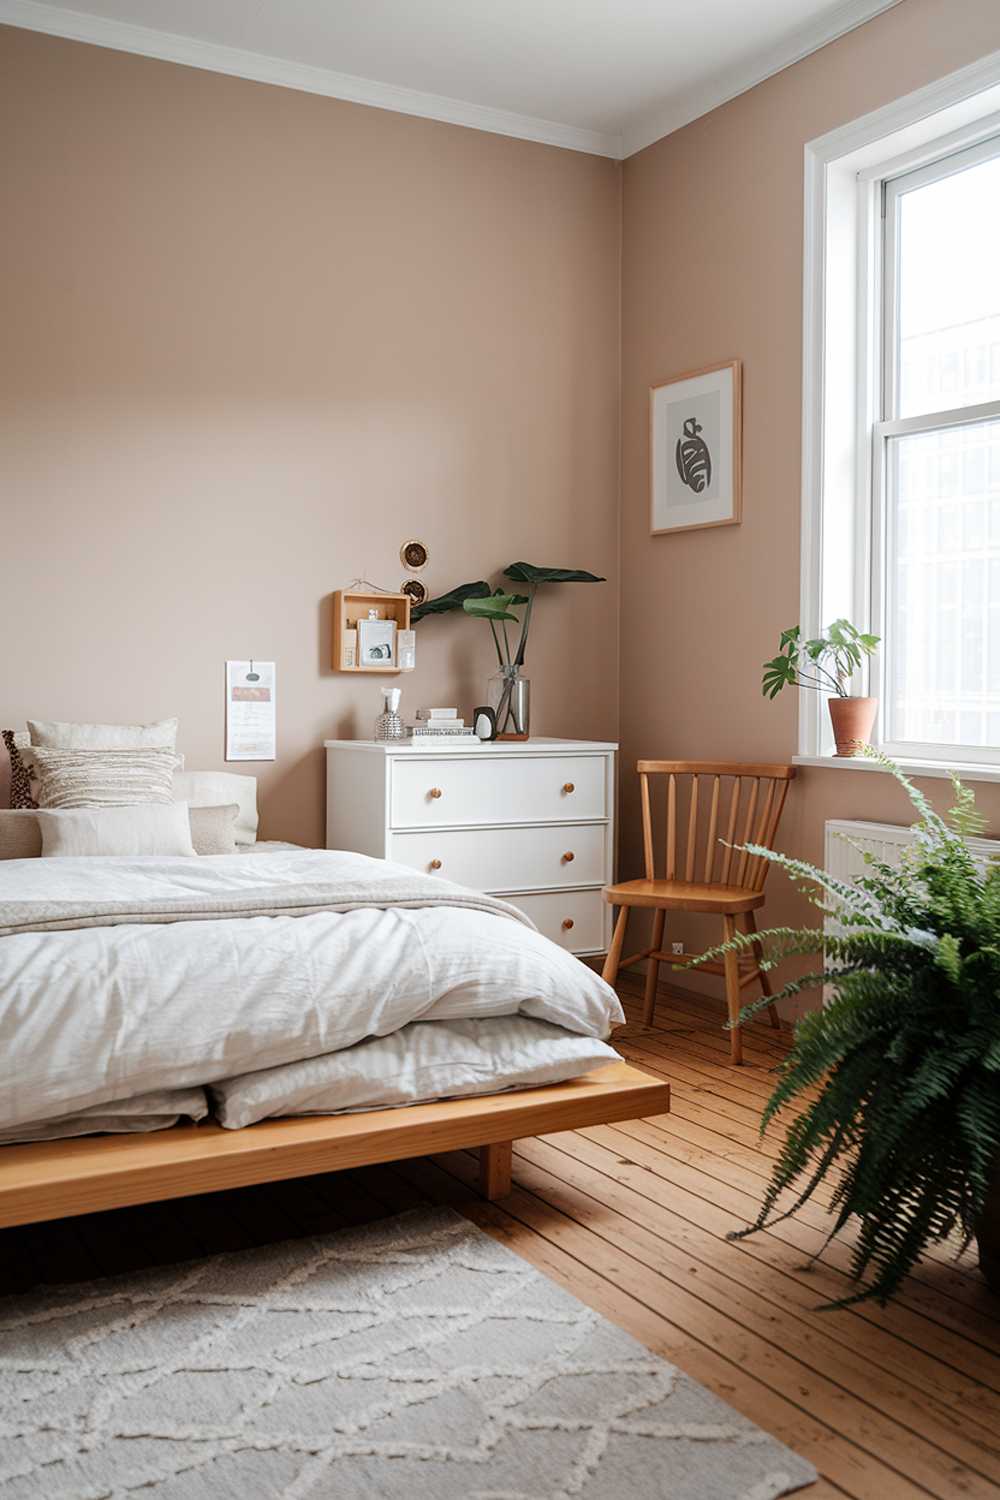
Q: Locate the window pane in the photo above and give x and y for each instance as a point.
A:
(942, 636)
(948, 327)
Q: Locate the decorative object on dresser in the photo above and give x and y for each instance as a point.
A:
(508, 690)
(827, 665)
(725, 879)
(442, 726)
(695, 440)
(389, 726)
(357, 604)
(533, 820)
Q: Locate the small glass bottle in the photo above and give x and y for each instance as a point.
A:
(388, 725)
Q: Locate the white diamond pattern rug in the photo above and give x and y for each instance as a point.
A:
(413, 1359)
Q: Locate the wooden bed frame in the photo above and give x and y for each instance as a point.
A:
(56, 1179)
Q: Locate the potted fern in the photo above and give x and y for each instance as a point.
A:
(897, 1078)
(826, 664)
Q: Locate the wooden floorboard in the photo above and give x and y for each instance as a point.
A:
(633, 1219)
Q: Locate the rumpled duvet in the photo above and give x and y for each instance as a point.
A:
(122, 977)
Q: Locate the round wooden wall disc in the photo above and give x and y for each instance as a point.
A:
(413, 556)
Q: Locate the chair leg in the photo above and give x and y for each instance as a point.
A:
(762, 975)
(732, 971)
(610, 971)
(653, 969)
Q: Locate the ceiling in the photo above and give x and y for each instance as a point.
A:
(605, 76)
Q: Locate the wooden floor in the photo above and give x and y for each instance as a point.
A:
(632, 1219)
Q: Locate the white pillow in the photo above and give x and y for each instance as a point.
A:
(53, 735)
(143, 828)
(218, 789)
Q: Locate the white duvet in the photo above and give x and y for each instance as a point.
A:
(100, 1014)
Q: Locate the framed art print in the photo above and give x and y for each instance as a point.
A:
(695, 441)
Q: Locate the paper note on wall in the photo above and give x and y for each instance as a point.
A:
(251, 725)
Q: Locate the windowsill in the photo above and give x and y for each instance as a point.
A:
(968, 770)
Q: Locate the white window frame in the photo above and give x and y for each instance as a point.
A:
(886, 426)
(844, 347)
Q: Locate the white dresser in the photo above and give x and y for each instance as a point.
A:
(532, 821)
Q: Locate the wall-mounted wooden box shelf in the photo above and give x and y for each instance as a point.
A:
(352, 605)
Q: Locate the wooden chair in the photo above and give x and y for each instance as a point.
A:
(724, 879)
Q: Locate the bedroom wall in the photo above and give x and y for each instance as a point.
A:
(712, 270)
(253, 341)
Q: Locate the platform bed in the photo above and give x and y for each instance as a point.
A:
(57, 1179)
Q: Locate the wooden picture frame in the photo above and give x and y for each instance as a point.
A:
(696, 449)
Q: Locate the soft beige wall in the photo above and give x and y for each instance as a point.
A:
(252, 341)
(712, 270)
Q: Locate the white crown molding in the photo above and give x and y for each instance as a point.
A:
(703, 98)
(123, 36)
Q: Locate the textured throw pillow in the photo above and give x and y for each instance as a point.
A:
(20, 781)
(213, 829)
(20, 835)
(215, 788)
(53, 735)
(103, 778)
(151, 828)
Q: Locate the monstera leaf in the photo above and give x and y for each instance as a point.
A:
(523, 572)
(454, 599)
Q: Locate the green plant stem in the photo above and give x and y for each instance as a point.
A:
(821, 687)
(525, 622)
(506, 643)
(496, 642)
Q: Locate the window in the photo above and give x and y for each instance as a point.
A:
(936, 460)
(901, 415)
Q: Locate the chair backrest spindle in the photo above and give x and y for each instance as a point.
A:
(671, 827)
(647, 828)
(713, 823)
(692, 838)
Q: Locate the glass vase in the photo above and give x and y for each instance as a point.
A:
(510, 699)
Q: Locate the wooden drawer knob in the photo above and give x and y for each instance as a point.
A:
(567, 923)
(435, 864)
(436, 792)
(568, 787)
(568, 857)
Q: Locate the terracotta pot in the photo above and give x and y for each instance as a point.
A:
(988, 1235)
(852, 720)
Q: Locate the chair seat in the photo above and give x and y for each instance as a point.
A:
(683, 895)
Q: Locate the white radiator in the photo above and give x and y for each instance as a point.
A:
(885, 840)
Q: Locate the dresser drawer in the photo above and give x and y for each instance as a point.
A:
(573, 919)
(446, 791)
(507, 859)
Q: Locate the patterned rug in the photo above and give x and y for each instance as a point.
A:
(413, 1359)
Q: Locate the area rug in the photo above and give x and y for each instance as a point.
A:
(413, 1359)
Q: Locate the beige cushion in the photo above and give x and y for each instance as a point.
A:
(149, 828)
(213, 829)
(20, 835)
(102, 778)
(218, 789)
(53, 735)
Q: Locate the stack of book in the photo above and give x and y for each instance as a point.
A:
(441, 726)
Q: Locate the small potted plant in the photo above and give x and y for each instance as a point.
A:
(508, 687)
(896, 1080)
(826, 664)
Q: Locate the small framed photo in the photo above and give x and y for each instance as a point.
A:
(695, 449)
(376, 643)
